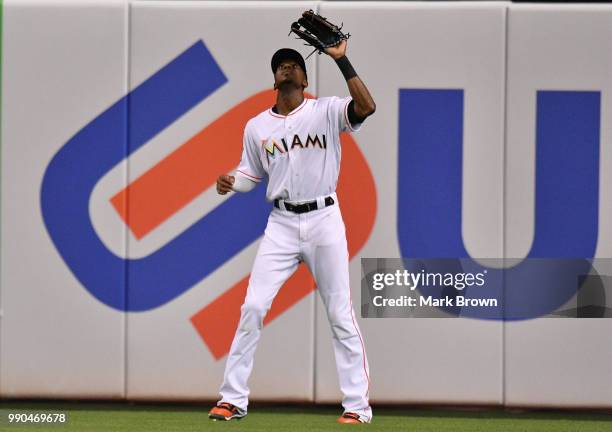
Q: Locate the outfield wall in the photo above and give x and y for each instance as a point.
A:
(122, 271)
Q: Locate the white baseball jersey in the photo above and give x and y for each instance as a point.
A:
(300, 152)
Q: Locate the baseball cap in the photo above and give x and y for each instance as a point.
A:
(288, 54)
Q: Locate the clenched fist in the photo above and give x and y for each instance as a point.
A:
(225, 183)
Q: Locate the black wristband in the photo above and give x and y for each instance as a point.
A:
(346, 68)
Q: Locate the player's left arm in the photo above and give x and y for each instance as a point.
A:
(363, 104)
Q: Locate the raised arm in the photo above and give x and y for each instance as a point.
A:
(364, 105)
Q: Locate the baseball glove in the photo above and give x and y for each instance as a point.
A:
(317, 32)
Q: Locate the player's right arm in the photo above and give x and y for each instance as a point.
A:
(249, 172)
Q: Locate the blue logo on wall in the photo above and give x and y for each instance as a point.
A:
(566, 198)
(149, 282)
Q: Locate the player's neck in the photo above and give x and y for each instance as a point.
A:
(288, 101)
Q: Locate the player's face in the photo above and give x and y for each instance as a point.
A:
(289, 74)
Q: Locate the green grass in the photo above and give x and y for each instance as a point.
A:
(111, 417)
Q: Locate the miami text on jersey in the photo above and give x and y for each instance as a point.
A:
(271, 145)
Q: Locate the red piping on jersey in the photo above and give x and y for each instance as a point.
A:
(273, 114)
(365, 369)
(248, 175)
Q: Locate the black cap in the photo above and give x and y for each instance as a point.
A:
(288, 54)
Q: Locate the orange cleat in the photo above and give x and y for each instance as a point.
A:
(226, 411)
(350, 418)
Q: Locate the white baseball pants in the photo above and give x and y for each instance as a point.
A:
(319, 239)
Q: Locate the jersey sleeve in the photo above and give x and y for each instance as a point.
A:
(338, 113)
(250, 164)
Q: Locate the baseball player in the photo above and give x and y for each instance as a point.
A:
(296, 145)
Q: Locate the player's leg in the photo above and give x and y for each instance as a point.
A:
(327, 259)
(276, 261)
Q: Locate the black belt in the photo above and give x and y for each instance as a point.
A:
(305, 207)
